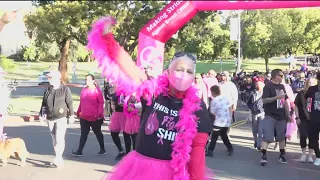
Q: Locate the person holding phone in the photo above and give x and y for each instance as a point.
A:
(91, 114)
(277, 114)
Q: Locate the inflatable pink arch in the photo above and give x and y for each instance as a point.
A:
(154, 35)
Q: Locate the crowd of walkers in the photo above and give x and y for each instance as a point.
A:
(279, 102)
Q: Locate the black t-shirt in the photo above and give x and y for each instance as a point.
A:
(314, 93)
(115, 100)
(298, 103)
(157, 131)
(267, 81)
(275, 109)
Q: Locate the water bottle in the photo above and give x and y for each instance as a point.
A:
(44, 113)
(121, 99)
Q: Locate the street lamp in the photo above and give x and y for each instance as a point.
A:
(239, 41)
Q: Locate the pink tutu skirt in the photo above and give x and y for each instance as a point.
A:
(117, 122)
(135, 166)
(132, 124)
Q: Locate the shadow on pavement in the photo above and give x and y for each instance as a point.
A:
(243, 165)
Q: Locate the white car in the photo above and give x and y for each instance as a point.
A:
(43, 79)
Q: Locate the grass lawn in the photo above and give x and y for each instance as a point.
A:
(31, 72)
(33, 104)
(23, 72)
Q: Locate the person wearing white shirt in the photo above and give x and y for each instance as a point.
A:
(229, 90)
(221, 108)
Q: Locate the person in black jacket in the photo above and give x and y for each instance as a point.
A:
(108, 91)
(57, 109)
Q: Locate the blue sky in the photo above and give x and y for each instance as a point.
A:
(14, 5)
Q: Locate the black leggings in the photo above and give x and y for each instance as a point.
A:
(128, 138)
(304, 133)
(127, 141)
(314, 130)
(222, 132)
(116, 140)
(85, 129)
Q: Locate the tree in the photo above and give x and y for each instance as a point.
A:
(265, 34)
(59, 23)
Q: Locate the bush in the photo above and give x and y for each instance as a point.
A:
(7, 64)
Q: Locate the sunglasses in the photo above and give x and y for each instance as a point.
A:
(181, 54)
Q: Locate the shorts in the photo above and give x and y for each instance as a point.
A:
(268, 125)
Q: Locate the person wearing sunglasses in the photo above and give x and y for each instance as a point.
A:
(277, 114)
(175, 123)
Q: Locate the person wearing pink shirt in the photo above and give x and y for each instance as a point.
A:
(91, 114)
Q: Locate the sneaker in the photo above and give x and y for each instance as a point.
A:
(77, 154)
(310, 159)
(209, 153)
(259, 149)
(255, 145)
(101, 152)
(120, 156)
(303, 158)
(230, 152)
(263, 160)
(59, 163)
(282, 159)
(317, 162)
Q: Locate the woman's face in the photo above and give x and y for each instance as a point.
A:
(181, 73)
(89, 81)
(198, 79)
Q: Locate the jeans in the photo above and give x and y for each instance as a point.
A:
(58, 130)
(256, 129)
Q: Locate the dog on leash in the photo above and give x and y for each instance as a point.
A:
(14, 147)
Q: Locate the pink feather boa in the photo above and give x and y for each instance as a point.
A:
(100, 44)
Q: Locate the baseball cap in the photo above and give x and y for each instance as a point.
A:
(54, 74)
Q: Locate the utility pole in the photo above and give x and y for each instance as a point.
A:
(239, 42)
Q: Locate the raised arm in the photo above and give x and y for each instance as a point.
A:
(116, 63)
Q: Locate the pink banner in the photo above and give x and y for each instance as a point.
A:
(150, 52)
(177, 13)
(234, 5)
(169, 20)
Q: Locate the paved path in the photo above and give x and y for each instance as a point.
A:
(244, 165)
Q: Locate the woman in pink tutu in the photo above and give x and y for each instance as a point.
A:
(175, 122)
(117, 122)
(132, 124)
